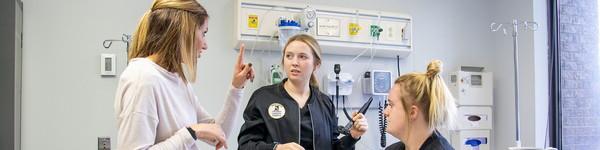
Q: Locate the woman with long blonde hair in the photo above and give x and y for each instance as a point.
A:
(155, 104)
(420, 103)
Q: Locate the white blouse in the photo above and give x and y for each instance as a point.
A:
(154, 106)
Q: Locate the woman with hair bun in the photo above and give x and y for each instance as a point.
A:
(420, 103)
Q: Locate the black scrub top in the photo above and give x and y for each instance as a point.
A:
(306, 131)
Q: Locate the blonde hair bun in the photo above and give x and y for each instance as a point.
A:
(434, 68)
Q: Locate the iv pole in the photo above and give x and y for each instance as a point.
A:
(528, 25)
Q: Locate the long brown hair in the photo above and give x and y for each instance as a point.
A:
(316, 51)
(168, 30)
(429, 92)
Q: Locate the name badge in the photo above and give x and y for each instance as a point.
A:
(276, 110)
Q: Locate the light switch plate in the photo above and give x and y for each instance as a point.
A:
(108, 65)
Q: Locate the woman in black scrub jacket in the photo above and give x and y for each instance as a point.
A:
(294, 114)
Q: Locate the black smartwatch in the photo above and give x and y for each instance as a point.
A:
(192, 132)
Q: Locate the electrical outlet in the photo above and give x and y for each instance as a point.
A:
(391, 31)
(103, 143)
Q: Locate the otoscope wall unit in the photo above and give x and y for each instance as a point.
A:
(259, 24)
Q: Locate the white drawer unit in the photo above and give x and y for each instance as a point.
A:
(473, 89)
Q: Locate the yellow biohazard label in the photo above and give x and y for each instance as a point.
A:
(252, 21)
(353, 29)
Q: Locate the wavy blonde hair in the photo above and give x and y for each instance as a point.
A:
(316, 51)
(168, 30)
(429, 92)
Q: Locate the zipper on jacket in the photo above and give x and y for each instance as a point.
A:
(313, 127)
(299, 125)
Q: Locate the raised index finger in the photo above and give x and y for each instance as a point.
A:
(240, 59)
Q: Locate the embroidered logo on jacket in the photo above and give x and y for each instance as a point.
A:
(276, 110)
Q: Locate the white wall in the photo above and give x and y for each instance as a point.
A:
(67, 105)
(541, 74)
